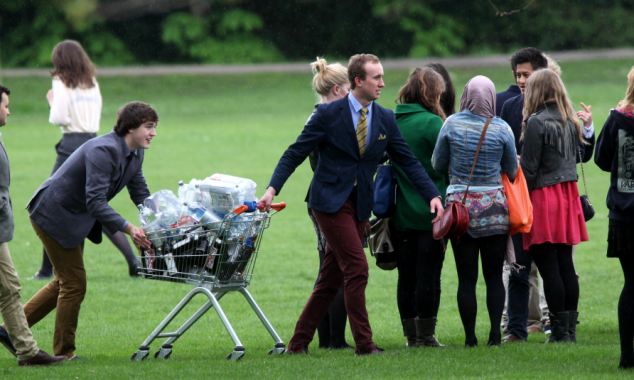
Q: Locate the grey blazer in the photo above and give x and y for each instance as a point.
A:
(73, 203)
(6, 211)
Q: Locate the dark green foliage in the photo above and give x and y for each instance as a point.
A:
(245, 31)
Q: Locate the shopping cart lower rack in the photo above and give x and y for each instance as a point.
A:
(217, 258)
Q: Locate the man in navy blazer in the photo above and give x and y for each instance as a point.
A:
(351, 136)
(73, 204)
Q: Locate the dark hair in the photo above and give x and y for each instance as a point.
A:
(531, 55)
(424, 86)
(72, 65)
(4, 90)
(448, 97)
(355, 66)
(132, 115)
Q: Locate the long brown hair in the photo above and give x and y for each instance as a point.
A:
(628, 100)
(72, 65)
(424, 86)
(545, 86)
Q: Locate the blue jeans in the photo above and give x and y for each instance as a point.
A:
(519, 288)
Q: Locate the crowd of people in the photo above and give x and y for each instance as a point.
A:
(439, 156)
(438, 153)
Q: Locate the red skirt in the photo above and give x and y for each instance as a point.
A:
(557, 216)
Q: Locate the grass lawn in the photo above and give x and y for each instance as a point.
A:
(240, 125)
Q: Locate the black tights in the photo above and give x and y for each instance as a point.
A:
(626, 310)
(492, 249)
(561, 286)
(420, 260)
(118, 239)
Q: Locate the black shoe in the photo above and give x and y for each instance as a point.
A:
(39, 275)
(374, 351)
(6, 341)
(41, 358)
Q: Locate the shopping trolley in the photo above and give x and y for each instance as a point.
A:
(217, 258)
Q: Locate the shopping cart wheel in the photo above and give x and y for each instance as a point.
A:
(279, 349)
(236, 354)
(140, 355)
(164, 352)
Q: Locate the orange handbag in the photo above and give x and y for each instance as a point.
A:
(519, 201)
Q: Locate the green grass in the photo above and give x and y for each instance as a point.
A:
(240, 125)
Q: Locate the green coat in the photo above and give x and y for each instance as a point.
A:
(420, 128)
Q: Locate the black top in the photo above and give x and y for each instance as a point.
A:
(503, 96)
(614, 153)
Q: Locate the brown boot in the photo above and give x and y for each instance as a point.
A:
(425, 332)
(41, 358)
(409, 330)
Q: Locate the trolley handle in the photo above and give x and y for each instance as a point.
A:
(244, 208)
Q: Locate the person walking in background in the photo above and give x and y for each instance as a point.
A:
(351, 136)
(551, 143)
(75, 102)
(72, 205)
(614, 153)
(488, 209)
(419, 116)
(15, 335)
(330, 82)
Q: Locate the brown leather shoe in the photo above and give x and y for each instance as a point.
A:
(41, 358)
(510, 338)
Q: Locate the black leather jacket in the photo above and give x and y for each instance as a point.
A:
(551, 150)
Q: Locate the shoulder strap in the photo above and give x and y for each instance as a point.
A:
(475, 158)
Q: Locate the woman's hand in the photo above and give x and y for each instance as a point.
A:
(435, 205)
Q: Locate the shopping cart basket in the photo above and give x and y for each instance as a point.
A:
(217, 258)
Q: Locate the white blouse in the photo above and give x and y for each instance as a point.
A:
(75, 109)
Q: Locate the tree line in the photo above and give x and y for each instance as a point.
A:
(120, 32)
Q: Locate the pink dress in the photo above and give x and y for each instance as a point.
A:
(557, 216)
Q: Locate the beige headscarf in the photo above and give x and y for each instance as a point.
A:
(479, 96)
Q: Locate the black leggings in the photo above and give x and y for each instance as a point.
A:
(626, 309)
(420, 260)
(492, 249)
(561, 286)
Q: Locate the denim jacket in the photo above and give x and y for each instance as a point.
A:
(456, 146)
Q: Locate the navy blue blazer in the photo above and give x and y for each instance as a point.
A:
(503, 96)
(73, 202)
(331, 132)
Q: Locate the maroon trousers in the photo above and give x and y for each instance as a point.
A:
(344, 263)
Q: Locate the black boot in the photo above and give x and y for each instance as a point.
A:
(426, 331)
(627, 362)
(572, 325)
(559, 326)
(409, 330)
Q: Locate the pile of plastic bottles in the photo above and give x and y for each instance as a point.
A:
(199, 202)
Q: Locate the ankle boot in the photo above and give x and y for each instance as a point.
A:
(426, 331)
(409, 330)
(627, 361)
(572, 325)
(559, 326)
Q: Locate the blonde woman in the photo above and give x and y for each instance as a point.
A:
(615, 154)
(330, 83)
(552, 137)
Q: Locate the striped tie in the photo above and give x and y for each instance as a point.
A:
(362, 130)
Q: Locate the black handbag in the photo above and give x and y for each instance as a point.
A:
(586, 205)
(384, 191)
